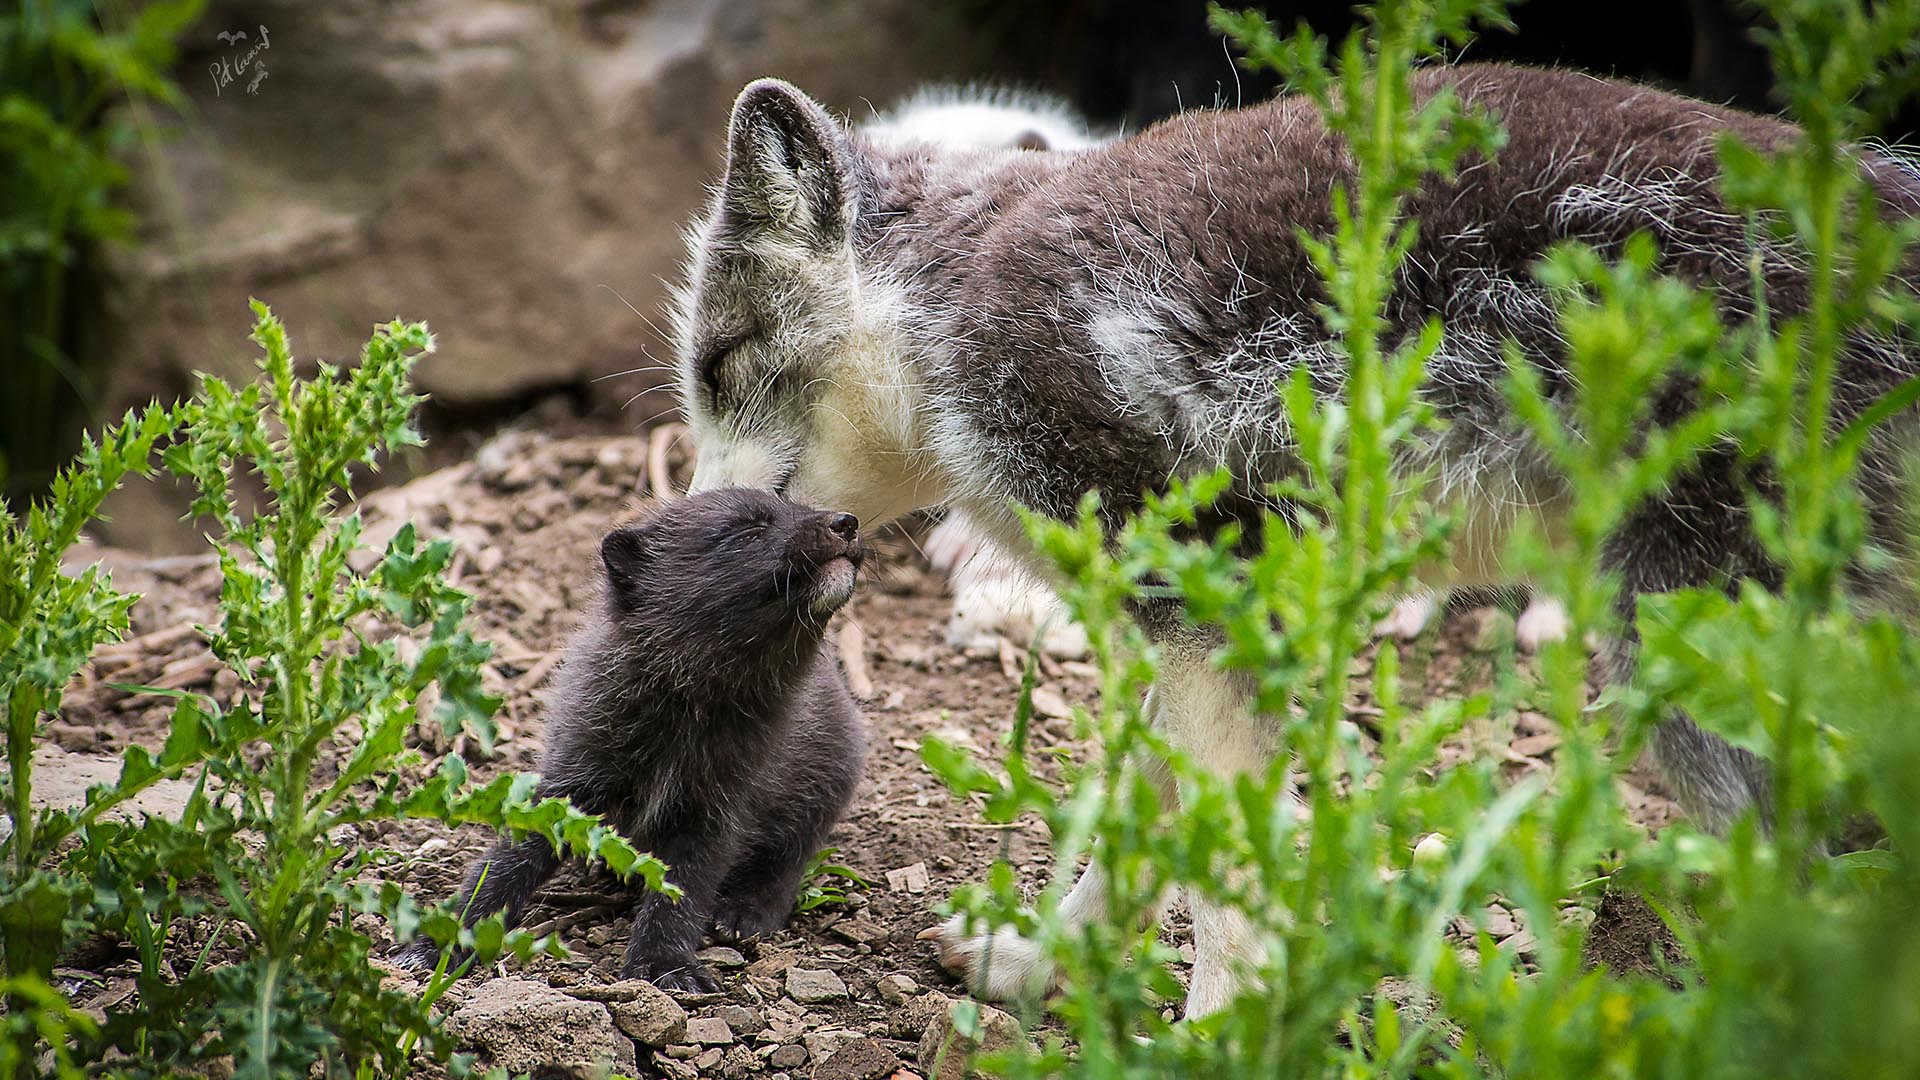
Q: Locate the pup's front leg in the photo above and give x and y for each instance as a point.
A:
(504, 880)
(666, 932)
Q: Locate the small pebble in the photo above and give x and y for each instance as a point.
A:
(896, 988)
(741, 1020)
(721, 956)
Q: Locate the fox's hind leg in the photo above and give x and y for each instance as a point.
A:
(1696, 535)
(758, 896)
(1207, 714)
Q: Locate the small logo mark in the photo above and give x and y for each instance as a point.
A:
(235, 64)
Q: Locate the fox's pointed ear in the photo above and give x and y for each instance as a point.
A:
(787, 167)
(624, 553)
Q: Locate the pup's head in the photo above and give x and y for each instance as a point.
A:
(730, 572)
(792, 354)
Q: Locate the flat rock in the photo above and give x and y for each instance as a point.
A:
(910, 1019)
(946, 1050)
(741, 1020)
(529, 1027)
(61, 780)
(811, 986)
(721, 956)
(650, 1015)
(709, 1031)
(858, 1059)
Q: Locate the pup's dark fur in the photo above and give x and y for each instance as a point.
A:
(698, 712)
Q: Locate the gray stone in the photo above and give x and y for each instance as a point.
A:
(790, 1056)
(721, 956)
(823, 1043)
(709, 1031)
(649, 1014)
(674, 1070)
(894, 989)
(742, 1020)
(525, 1026)
(811, 986)
(946, 1051)
(910, 1019)
(858, 1059)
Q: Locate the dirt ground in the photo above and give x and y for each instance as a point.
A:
(527, 514)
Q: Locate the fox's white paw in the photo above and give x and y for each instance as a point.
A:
(1409, 617)
(1544, 620)
(987, 606)
(999, 966)
(951, 544)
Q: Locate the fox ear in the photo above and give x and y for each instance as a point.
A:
(786, 167)
(624, 552)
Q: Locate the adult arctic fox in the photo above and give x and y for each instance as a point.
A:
(880, 329)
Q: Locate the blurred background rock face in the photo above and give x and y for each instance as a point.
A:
(507, 170)
(517, 172)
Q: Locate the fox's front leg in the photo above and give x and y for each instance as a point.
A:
(666, 932)
(1205, 713)
(1002, 965)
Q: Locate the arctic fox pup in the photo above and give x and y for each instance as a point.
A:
(698, 712)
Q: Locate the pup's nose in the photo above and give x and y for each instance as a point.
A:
(844, 526)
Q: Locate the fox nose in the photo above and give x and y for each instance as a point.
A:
(844, 526)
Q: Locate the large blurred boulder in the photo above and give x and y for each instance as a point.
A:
(499, 168)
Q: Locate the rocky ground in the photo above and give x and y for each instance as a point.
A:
(846, 992)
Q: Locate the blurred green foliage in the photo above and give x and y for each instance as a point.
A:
(67, 70)
(241, 906)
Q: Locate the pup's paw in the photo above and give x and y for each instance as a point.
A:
(1545, 620)
(736, 922)
(996, 967)
(422, 955)
(689, 976)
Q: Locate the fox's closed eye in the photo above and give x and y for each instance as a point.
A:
(713, 360)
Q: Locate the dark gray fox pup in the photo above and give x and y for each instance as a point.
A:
(697, 711)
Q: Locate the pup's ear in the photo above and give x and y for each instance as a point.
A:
(624, 553)
(787, 168)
